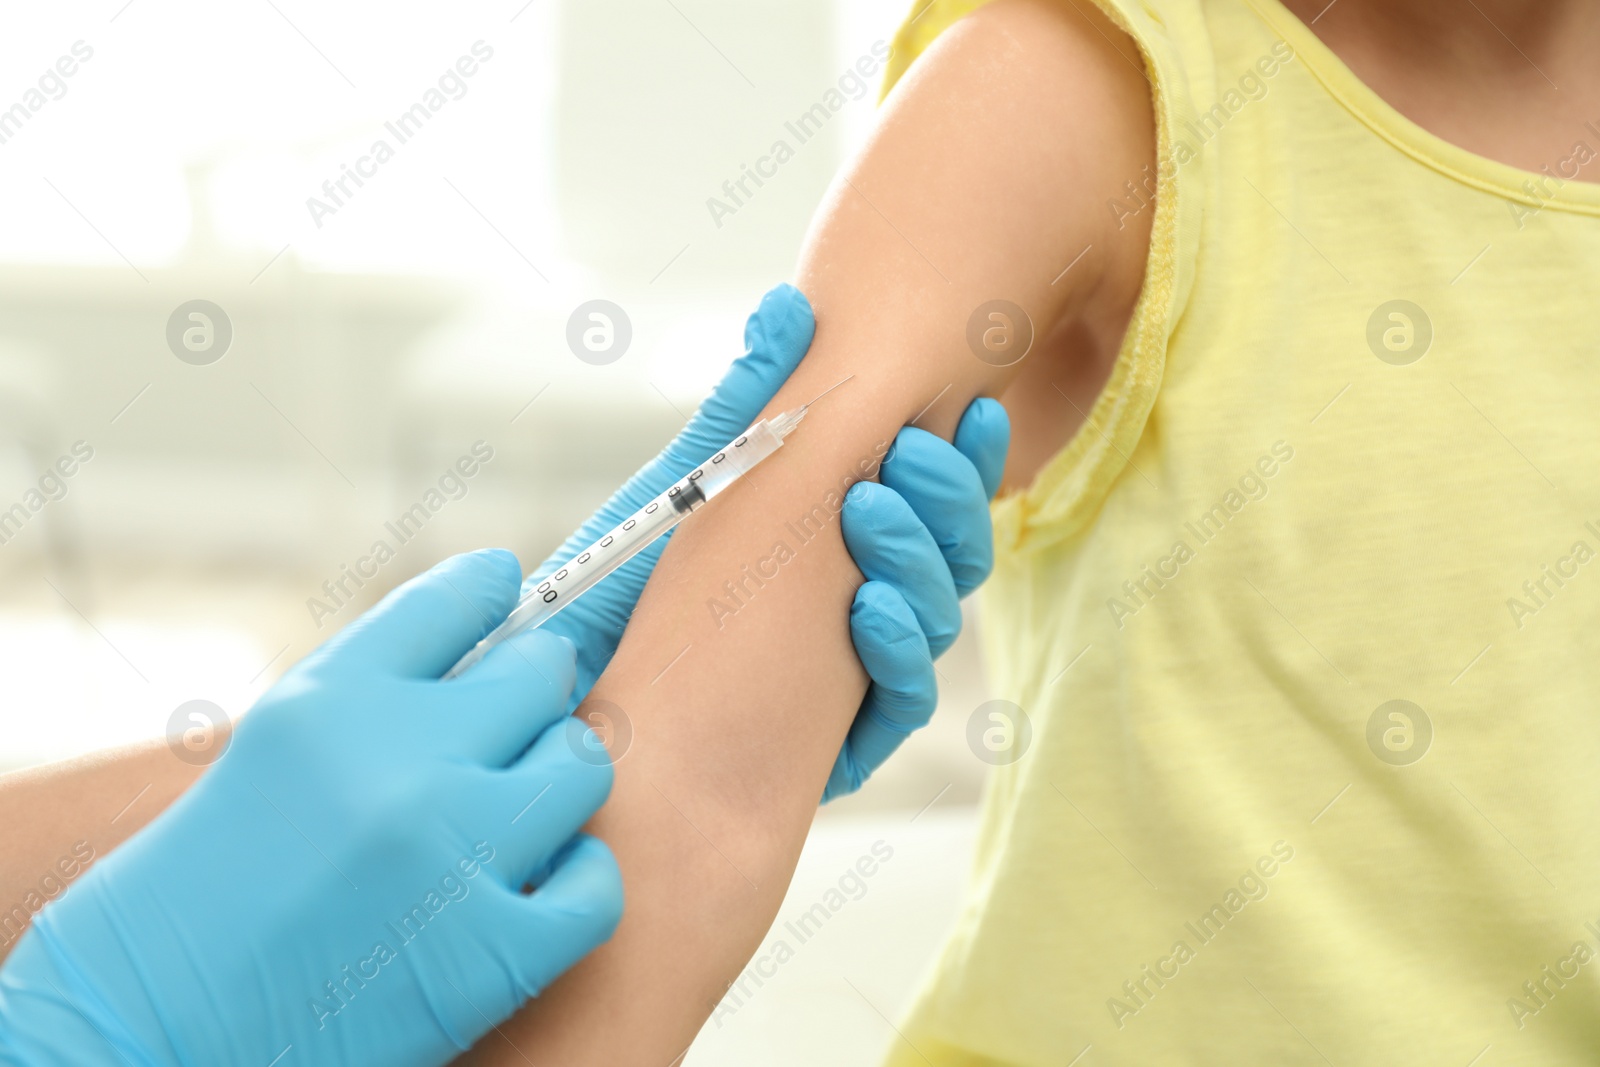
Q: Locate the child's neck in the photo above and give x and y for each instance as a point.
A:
(1513, 80)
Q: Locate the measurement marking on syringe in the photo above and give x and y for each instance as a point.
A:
(579, 574)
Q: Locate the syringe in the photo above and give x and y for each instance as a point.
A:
(585, 570)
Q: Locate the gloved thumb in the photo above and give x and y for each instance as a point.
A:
(776, 337)
(421, 629)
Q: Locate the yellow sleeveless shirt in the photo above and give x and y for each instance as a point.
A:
(1306, 624)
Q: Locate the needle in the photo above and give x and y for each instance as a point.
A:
(826, 391)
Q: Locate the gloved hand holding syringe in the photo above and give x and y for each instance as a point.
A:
(360, 743)
(588, 568)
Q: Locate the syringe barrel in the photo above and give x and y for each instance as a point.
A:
(581, 573)
(742, 453)
(585, 570)
(729, 464)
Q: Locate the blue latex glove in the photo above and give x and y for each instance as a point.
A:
(345, 884)
(776, 336)
(922, 538)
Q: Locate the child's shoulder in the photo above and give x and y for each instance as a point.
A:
(1057, 86)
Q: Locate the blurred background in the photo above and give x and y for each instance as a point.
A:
(356, 342)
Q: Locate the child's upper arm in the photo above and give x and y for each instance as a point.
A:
(989, 173)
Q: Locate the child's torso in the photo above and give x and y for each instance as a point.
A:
(1312, 690)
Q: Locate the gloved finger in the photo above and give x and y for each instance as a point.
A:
(776, 337)
(496, 709)
(421, 629)
(574, 911)
(947, 494)
(984, 437)
(904, 690)
(890, 544)
(846, 776)
(546, 796)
